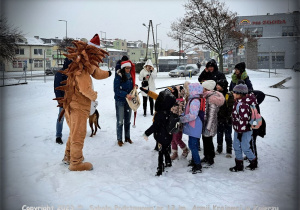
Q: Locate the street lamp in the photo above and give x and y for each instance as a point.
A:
(66, 27)
(104, 38)
(160, 44)
(156, 31)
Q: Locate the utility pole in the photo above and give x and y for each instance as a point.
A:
(66, 27)
(154, 44)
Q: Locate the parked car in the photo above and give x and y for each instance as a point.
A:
(296, 66)
(227, 68)
(52, 70)
(184, 70)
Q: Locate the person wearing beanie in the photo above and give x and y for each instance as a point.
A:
(124, 83)
(224, 119)
(211, 72)
(214, 100)
(78, 96)
(148, 75)
(240, 74)
(241, 115)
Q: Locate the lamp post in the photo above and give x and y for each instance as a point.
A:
(160, 44)
(66, 27)
(156, 43)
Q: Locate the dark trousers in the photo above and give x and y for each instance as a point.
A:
(145, 104)
(226, 129)
(253, 143)
(208, 147)
(163, 151)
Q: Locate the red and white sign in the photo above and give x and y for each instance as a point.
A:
(268, 22)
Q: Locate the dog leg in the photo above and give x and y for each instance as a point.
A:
(91, 125)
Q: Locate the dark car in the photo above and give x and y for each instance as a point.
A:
(296, 66)
(52, 70)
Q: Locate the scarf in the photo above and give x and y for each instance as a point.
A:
(235, 79)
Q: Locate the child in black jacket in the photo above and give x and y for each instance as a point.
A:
(163, 105)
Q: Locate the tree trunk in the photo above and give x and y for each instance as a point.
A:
(220, 62)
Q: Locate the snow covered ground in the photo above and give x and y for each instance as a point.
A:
(35, 176)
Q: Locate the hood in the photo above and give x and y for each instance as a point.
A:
(250, 99)
(149, 63)
(194, 90)
(165, 101)
(215, 97)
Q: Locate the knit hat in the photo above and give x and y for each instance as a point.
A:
(240, 89)
(240, 66)
(210, 64)
(223, 83)
(209, 84)
(125, 64)
(95, 41)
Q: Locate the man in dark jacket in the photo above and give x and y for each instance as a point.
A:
(211, 72)
(58, 78)
(224, 118)
(163, 105)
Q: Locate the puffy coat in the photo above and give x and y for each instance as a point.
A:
(122, 88)
(192, 123)
(151, 80)
(215, 75)
(163, 104)
(214, 100)
(224, 113)
(242, 113)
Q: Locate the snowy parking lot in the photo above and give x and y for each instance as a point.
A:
(124, 176)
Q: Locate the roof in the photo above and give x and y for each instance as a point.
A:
(191, 53)
(171, 57)
(33, 41)
(114, 50)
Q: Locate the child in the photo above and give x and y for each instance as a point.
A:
(178, 92)
(224, 118)
(242, 130)
(163, 105)
(192, 123)
(214, 100)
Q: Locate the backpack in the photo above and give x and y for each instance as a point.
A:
(255, 118)
(201, 112)
(173, 125)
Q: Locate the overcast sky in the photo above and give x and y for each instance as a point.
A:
(119, 19)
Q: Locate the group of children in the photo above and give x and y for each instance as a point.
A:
(205, 110)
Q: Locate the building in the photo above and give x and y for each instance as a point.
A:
(114, 56)
(278, 41)
(32, 53)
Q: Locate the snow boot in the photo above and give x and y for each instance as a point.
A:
(239, 166)
(128, 140)
(174, 155)
(197, 169)
(120, 143)
(210, 161)
(229, 152)
(185, 152)
(160, 170)
(204, 160)
(81, 167)
(191, 163)
(219, 149)
(59, 141)
(253, 164)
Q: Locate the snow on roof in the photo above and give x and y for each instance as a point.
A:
(114, 50)
(33, 41)
(171, 57)
(191, 53)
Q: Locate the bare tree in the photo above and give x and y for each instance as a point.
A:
(8, 39)
(65, 43)
(210, 24)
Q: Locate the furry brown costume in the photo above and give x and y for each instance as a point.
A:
(78, 96)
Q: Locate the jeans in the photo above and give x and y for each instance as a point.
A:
(194, 145)
(59, 125)
(227, 129)
(243, 146)
(123, 113)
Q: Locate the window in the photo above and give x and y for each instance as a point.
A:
(122, 44)
(38, 63)
(142, 52)
(48, 52)
(254, 31)
(289, 31)
(17, 64)
(19, 51)
(38, 52)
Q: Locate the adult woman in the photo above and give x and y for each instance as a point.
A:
(123, 84)
(240, 74)
(147, 76)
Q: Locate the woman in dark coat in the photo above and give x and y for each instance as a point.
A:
(240, 74)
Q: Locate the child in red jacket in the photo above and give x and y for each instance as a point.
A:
(241, 115)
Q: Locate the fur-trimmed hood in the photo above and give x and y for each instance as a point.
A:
(214, 97)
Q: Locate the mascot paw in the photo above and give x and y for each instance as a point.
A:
(86, 166)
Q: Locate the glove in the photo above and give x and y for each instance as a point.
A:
(239, 136)
(151, 71)
(109, 73)
(145, 137)
(144, 90)
(145, 83)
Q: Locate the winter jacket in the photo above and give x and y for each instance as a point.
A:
(244, 77)
(59, 77)
(215, 75)
(224, 113)
(151, 81)
(242, 113)
(163, 104)
(214, 100)
(122, 88)
(192, 123)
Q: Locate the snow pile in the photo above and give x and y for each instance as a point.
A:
(35, 175)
